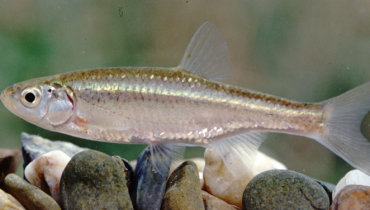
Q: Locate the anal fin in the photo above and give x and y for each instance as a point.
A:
(239, 152)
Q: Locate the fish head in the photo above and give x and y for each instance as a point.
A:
(43, 102)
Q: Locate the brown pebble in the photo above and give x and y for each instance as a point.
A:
(182, 189)
(31, 197)
(212, 203)
(352, 197)
(9, 160)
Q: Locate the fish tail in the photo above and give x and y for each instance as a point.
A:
(342, 121)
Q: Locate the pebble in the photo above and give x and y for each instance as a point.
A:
(328, 187)
(182, 189)
(9, 160)
(34, 146)
(213, 203)
(128, 172)
(200, 163)
(149, 185)
(8, 202)
(352, 197)
(94, 180)
(284, 189)
(220, 182)
(354, 177)
(31, 197)
(45, 172)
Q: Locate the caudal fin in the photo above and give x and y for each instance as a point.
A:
(343, 117)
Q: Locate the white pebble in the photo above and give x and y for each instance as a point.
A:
(221, 182)
(45, 172)
(354, 177)
(7, 201)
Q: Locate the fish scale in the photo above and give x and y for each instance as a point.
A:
(180, 103)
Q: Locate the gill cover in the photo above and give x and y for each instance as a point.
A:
(60, 108)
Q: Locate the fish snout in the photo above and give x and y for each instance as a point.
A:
(5, 94)
(8, 98)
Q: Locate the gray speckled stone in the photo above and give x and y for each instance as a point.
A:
(31, 197)
(284, 189)
(149, 185)
(35, 146)
(94, 180)
(128, 172)
(126, 169)
(182, 189)
(328, 187)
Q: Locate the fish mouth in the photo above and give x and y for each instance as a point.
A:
(8, 99)
(4, 96)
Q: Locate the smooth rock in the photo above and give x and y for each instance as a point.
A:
(9, 160)
(352, 197)
(34, 146)
(200, 163)
(31, 197)
(222, 183)
(213, 203)
(94, 180)
(45, 172)
(328, 187)
(127, 171)
(149, 184)
(354, 177)
(8, 202)
(182, 189)
(284, 189)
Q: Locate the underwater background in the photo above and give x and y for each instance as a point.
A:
(307, 51)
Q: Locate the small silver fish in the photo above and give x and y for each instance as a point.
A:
(185, 105)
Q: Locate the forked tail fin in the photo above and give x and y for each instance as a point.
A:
(342, 135)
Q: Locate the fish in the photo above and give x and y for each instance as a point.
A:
(188, 105)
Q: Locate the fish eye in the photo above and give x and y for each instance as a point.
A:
(30, 97)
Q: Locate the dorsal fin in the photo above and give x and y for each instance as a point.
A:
(207, 54)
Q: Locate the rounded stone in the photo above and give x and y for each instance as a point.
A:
(148, 185)
(29, 196)
(222, 183)
(354, 177)
(45, 172)
(352, 197)
(9, 160)
(93, 180)
(284, 189)
(127, 170)
(35, 146)
(8, 202)
(182, 189)
(211, 202)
